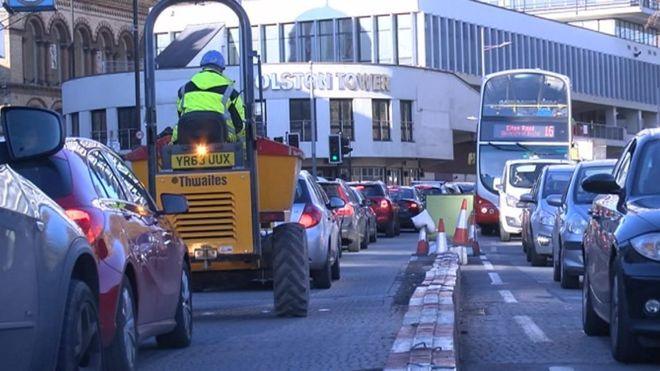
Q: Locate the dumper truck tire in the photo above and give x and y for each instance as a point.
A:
(290, 270)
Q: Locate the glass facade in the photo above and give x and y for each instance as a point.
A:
(306, 41)
(384, 31)
(366, 40)
(326, 40)
(381, 120)
(300, 118)
(272, 41)
(99, 126)
(75, 125)
(638, 33)
(232, 47)
(404, 39)
(128, 127)
(341, 117)
(289, 36)
(345, 39)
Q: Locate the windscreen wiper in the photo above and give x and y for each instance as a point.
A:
(524, 147)
(502, 148)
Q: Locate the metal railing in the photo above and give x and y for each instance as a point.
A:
(600, 131)
(128, 139)
(537, 5)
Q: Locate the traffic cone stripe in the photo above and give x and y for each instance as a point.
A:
(461, 234)
(441, 240)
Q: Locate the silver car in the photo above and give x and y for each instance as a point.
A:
(313, 209)
(538, 216)
(570, 222)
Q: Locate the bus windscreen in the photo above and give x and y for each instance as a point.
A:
(525, 95)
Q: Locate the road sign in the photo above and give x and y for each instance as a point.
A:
(30, 5)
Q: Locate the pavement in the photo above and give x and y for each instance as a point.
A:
(515, 317)
(350, 327)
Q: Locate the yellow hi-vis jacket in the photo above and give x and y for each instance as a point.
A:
(211, 91)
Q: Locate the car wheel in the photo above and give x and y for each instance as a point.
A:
(336, 269)
(504, 236)
(80, 345)
(365, 239)
(122, 352)
(567, 280)
(323, 277)
(592, 324)
(536, 259)
(373, 234)
(556, 272)
(354, 246)
(625, 347)
(398, 228)
(181, 336)
(391, 229)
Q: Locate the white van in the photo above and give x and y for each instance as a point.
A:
(518, 177)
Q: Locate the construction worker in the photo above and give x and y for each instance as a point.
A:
(209, 108)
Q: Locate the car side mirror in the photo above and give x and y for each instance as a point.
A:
(31, 132)
(366, 202)
(602, 184)
(173, 204)
(525, 200)
(497, 184)
(336, 203)
(555, 200)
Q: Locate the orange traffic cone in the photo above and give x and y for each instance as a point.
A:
(476, 251)
(422, 243)
(441, 239)
(461, 233)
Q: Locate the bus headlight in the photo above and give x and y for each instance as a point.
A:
(648, 245)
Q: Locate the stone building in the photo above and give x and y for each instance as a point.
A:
(39, 53)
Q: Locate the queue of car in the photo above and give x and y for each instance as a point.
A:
(601, 220)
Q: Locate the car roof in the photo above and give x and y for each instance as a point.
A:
(652, 133)
(535, 161)
(560, 168)
(597, 163)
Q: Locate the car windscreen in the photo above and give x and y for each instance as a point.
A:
(432, 191)
(52, 175)
(302, 194)
(331, 189)
(556, 183)
(647, 179)
(580, 196)
(372, 190)
(524, 175)
(402, 193)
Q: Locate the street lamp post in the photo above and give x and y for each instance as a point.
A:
(312, 116)
(485, 48)
(136, 66)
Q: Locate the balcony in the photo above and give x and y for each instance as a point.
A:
(598, 131)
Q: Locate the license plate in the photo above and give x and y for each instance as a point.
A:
(209, 160)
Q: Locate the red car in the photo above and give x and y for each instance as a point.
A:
(387, 211)
(143, 267)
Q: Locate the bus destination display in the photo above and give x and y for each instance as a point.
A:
(521, 131)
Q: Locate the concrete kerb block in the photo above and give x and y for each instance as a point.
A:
(427, 339)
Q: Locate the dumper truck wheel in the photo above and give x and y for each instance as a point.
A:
(290, 270)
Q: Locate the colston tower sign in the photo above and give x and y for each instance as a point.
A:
(368, 82)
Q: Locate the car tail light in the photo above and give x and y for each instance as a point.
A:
(384, 204)
(311, 216)
(347, 210)
(89, 220)
(413, 205)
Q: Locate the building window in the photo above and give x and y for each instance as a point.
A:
(34, 53)
(381, 119)
(75, 125)
(384, 27)
(128, 127)
(232, 47)
(256, 40)
(341, 117)
(272, 40)
(259, 117)
(99, 126)
(404, 38)
(345, 39)
(407, 121)
(326, 41)
(365, 28)
(58, 53)
(300, 119)
(306, 41)
(289, 36)
(83, 51)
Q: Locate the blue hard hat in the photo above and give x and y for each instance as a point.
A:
(213, 58)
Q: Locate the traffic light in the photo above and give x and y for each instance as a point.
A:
(334, 145)
(293, 139)
(345, 146)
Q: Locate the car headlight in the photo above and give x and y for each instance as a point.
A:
(511, 201)
(546, 218)
(648, 245)
(576, 225)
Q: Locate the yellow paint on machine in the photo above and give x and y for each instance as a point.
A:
(277, 177)
(220, 215)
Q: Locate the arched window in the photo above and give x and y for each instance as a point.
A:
(106, 51)
(57, 107)
(34, 53)
(36, 103)
(58, 54)
(125, 53)
(83, 53)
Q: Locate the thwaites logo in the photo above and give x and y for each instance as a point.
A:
(200, 181)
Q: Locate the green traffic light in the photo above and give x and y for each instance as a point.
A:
(335, 158)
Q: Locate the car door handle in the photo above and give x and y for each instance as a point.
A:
(41, 226)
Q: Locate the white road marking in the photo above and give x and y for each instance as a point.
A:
(488, 265)
(507, 296)
(533, 332)
(483, 257)
(561, 368)
(493, 248)
(495, 278)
